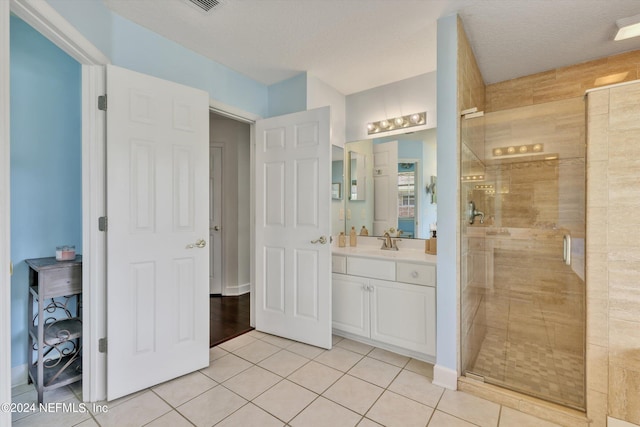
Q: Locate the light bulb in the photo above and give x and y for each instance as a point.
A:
(399, 121)
(371, 127)
(511, 150)
(384, 124)
(415, 118)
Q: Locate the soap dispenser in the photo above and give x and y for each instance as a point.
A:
(353, 237)
(364, 231)
(342, 240)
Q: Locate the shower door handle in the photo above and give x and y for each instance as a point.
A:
(566, 249)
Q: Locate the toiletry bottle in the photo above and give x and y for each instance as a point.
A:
(342, 240)
(353, 238)
(364, 231)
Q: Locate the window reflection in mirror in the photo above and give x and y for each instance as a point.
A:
(416, 165)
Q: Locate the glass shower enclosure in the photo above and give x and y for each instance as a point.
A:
(522, 256)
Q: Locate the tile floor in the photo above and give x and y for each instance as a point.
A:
(263, 380)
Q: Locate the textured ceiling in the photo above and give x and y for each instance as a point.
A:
(354, 45)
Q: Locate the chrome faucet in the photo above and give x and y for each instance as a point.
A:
(388, 243)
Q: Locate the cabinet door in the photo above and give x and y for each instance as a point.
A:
(350, 304)
(404, 315)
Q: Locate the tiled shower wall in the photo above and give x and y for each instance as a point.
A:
(613, 198)
(613, 253)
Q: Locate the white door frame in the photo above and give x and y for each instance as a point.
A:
(5, 222)
(47, 21)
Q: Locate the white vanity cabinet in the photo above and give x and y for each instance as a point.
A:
(397, 313)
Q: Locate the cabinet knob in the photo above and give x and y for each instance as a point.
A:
(414, 274)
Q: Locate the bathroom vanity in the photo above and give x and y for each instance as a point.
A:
(386, 299)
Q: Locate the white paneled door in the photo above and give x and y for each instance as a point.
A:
(158, 227)
(293, 253)
(385, 187)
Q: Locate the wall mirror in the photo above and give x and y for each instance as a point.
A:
(394, 179)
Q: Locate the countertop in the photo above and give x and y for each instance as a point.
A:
(369, 251)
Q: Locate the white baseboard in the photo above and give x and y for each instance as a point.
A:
(237, 290)
(445, 377)
(19, 375)
(614, 422)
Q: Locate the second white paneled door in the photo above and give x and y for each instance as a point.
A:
(293, 253)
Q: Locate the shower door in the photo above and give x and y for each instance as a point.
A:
(522, 272)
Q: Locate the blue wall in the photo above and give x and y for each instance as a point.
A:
(46, 175)
(132, 46)
(288, 96)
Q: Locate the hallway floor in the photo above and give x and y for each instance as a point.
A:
(262, 380)
(230, 316)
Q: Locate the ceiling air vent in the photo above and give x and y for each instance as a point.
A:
(205, 5)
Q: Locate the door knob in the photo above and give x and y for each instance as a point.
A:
(322, 240)
(200, 243)
(216, 228)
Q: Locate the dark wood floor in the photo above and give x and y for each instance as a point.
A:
(229, 317)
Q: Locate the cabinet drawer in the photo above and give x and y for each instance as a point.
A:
(63, 281)
(338, 264)
(418, 274)
(374, 268)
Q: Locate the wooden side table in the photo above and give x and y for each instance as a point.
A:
(55, 331)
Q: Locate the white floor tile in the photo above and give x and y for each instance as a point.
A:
(315, 376)
(354, 393)
(324, 413)
(417, 387)
(134, 412)
(257, 351)
(184, 388)
(226, 367)
(393, 410)
(285, 400)
(389, 357)
(283, 363)
(470, 408)
(237, 342)
(212, 406)
(339, 358)
(250, 416)
(252, 382)
(375, 371)
(170, 419)
(305, 350)
(441, 419)
(355, 346)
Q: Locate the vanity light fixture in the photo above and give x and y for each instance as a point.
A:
(628, 28)
(395, 123)
(468, 178)
(515, 150)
